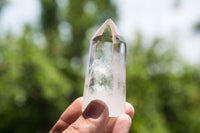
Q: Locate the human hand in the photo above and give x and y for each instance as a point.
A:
(95, 119)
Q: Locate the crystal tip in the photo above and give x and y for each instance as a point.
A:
(109, 20)
(107, 24)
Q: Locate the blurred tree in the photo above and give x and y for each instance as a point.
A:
(41, 73)
(30, 86)
(163, 89)
(197, 27)
(49, 20)
(2, 4)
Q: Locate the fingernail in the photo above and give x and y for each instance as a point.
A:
(94, 109)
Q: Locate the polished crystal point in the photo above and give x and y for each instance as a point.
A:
(105, 77)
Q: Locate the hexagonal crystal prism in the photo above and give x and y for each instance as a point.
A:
(105, 78)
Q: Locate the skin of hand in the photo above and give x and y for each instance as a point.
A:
(95, 119)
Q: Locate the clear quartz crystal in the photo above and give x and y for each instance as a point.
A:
(105, 78)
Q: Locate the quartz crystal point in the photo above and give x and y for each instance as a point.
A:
(105, 77)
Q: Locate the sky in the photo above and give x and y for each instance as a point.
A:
(150, 17)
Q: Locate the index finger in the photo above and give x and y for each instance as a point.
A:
(69, 116)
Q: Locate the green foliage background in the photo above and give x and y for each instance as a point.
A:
(42, 72)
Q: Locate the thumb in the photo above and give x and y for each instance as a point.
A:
(93, 119)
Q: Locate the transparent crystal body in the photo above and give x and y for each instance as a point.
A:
(106, 73)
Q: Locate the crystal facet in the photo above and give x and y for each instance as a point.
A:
(105, 78)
